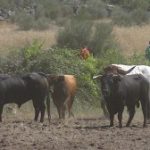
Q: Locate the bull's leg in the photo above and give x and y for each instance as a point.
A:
(120, 119)
(58, 110)
(1, 111)
(111, 120)
(63, 108)
(70, 106)
(144, 109)
(37, 110)
(42, 109)
(148, 110)
(103, 106)
(67, 106)
(131, 115)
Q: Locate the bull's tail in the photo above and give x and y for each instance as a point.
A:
(48, 107)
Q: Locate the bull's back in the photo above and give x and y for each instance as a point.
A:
(134, 85)
(71, 83)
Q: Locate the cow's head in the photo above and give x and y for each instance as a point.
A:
(109, 83)
(116, 70)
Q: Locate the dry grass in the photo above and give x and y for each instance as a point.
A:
(12, 38)
(132, 39)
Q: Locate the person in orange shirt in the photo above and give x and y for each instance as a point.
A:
(84, 53)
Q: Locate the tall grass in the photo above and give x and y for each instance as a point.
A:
(12, 38)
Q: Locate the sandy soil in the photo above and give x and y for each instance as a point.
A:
(80, 134)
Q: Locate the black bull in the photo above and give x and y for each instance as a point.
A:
(125, 91)
(20, 89)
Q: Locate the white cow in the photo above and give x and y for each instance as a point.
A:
(139, 69)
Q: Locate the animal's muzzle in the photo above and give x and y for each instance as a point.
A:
(105, 92)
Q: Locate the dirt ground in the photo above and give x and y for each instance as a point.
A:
(73, 134)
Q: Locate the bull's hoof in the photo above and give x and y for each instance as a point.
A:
(148, 121)
(111, 125)
(127, 125)
(41, 121)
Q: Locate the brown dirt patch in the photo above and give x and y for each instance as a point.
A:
(81, 134)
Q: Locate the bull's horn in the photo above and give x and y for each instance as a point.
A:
(114, 75)
(120, 71)
(95, 77)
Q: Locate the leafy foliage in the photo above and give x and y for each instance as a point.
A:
(77, 34)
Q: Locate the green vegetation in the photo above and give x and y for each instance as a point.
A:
(98, 37)
(37, 14)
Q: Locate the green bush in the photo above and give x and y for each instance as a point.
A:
(111, 56)
(121, 17)
(56, 61)
(27, 21)
(127, 18)
(102, 39)
(75, 35)
(31, 51)
(17, 61)
(92, 10)
(96, 9)
(12, 63)
(138, 59)
(139, 16)
(24, 20)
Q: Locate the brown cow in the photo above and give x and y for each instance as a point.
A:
(63, 89)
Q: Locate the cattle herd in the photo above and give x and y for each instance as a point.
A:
(121, 85)
(36, 87)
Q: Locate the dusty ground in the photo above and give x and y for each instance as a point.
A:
(80, 134)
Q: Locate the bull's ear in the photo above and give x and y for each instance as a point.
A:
(117, 78)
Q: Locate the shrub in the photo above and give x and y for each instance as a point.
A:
(111, 56)
(127, 18)
(25, 21)
(139, 16)
(79, 34)
(96, 9)
(75, 35)
(31, 51)
(138, 59)
(28, 21)
(121, 17)
(41, 24)
(101, 39)
(67, 61)
(12, 63)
